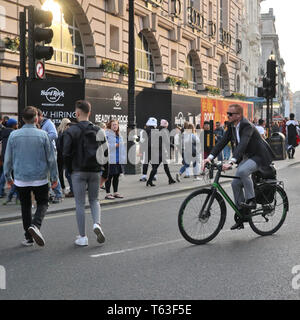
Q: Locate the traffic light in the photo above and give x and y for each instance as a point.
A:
(271, 74)
(39, 34)
(266, 90)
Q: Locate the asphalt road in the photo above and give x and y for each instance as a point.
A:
(145, 257)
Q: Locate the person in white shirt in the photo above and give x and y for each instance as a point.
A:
(292, 130)
(260, 128)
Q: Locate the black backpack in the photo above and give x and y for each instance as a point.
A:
(87, 148)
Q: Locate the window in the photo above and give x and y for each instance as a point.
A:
(210, 72)
(114, 38)
(190, 73)
(173, 59)
(66, 42)
(221, 83)
(144, 61)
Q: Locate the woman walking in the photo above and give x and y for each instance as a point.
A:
(64, 125)
(117, 157)
(163, 154)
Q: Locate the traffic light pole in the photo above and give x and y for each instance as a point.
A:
(22, 77)
(31, 43)
(268, 118)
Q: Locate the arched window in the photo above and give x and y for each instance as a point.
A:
(143, 60)
(67, 45)
(190, 73)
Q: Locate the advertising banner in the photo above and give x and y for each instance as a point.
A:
(216, 109)
(56, 98)
(108, 103)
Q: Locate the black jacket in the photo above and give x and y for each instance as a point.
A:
(4, 135)
(70, 149)
(251, 145)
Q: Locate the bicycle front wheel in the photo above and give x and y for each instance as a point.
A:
(272, 214)
(197, 223)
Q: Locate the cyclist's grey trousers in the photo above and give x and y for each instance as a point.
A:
(81, 181)
(244, 171)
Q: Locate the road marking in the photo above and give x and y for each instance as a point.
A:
(136, 248)
(153, 245)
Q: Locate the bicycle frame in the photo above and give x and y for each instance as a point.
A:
(216, 185)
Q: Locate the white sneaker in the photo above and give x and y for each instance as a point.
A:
(82, 241)
(36, 235)
(98, 231)
(27, 243)
(197, 179)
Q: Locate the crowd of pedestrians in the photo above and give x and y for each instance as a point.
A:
(36, 158)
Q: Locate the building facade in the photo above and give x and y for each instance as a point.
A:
(251, 54)
(191, 47)
(270, 46)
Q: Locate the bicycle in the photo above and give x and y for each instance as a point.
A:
(203, 213)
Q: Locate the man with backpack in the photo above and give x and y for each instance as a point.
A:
(83, 144)
(292, 130)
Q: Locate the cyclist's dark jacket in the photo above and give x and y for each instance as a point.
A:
(251, 145)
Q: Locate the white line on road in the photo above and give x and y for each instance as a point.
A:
(153, 245)
(136, 248)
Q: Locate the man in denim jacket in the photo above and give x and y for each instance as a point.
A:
(30, 155)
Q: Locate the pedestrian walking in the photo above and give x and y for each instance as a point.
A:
(80, 145)
(64, 125)
(219, 133)
(117, 157)
(48, 126)
(145, 140)
(261, 128)
(292, 131)
(11, 125)
(163, 153)
(227, 148)
(189, 152)
(30, 155)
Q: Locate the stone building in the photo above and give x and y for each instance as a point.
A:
(195, 43)
(270, 46)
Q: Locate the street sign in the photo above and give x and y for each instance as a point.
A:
(40, 70)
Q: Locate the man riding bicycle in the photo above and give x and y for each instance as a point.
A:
(250, 151)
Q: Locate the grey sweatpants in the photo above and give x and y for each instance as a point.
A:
(244, 171)
(81, 181)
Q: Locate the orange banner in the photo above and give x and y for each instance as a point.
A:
(216, 109)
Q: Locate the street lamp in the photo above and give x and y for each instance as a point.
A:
(131, 69)
(130, 167)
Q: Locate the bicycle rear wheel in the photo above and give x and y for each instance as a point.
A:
(273, 214)
(201, 226)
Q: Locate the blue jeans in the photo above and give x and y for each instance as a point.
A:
(2, 184)
(13, 191)
(57, 191)
(227, 152)
(186, 166)
(68, 176)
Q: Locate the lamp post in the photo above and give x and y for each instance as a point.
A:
(273, 58)
(131, 70)
(131, 168)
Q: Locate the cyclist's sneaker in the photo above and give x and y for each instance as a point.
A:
(249, 204)
(238, 225)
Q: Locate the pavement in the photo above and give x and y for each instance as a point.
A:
(134, 190)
